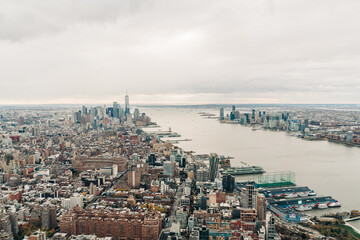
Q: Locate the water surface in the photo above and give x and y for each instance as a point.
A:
(328, 168)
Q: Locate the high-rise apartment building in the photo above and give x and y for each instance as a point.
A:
(48, 218)
(221, 113)
(169, 168)
(213, 165)
(136, 114)
(228, 183)
(134, 178)
(202, 175)
(261, 208)
(248, 196)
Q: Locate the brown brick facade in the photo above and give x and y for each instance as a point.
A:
(119, 225)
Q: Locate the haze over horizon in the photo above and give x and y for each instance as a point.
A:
(179, 52)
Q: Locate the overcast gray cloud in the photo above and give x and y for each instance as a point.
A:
(236, 51)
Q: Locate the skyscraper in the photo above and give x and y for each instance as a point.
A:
(213, 165)
(136, 114)
(221, 113)
(84, 110)
(116, 110)
(228, 183)
(127, 105)
(232, 114)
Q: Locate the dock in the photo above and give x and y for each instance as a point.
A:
(162, 134)
(178, 140)
(285, 201)
(309, 200)
(352, 219)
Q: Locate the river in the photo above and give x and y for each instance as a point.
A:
(328, 168)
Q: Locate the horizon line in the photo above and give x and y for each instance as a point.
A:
(171, 104)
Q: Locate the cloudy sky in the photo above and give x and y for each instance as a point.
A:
(210, 51)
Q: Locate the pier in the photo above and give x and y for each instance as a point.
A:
(178, 140)
(310, 200)
(352, 219)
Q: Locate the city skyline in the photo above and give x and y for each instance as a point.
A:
(167, 52)
(179, 120)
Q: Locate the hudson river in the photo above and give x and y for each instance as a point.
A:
(328, 168)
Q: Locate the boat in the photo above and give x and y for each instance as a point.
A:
(312, 137)
(334, 204)
(292, 195)
(303, 194)
(283, 195)
(312, 193)
(321, 206)
(303, 208)
(244, 170)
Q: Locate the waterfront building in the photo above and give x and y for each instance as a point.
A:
(247, 118)
(221, 113)
(228, 183)
(213, 166)
(237, 115)
(349, 136)
(232, 114)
